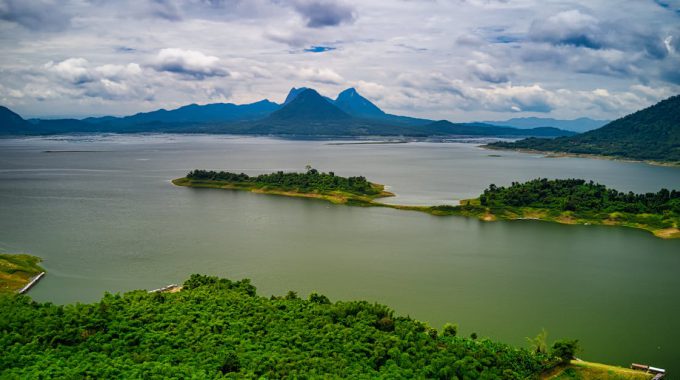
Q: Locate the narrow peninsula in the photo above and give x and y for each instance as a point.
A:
(17, 271)
(567, 201)
(312, 184)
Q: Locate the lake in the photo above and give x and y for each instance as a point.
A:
(103, 214)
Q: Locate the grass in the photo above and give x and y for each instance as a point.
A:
(582, 370)
(17, 270)
(661, 226)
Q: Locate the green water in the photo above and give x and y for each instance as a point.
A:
(103, 214)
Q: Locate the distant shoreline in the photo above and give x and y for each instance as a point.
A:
(467, 208)
(555, 154)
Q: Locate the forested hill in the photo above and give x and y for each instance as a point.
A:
(650, 134)
(215, 328)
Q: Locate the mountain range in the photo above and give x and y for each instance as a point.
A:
(580, 125)
(304, 113)
(649, 134)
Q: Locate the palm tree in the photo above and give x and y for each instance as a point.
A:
(538, 344)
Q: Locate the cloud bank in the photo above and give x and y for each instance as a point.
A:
(458, 59)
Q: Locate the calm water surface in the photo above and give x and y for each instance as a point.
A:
(102, 213)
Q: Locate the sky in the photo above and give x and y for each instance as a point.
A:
(460, 60)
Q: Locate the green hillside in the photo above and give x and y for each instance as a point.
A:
(215, 328)
(650, 134)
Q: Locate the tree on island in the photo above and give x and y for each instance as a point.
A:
(566, 349)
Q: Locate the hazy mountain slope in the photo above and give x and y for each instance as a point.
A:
(356, 105)
(11, 122)
(193, 113)
(479, 129)
(308, 105)
(582, 124)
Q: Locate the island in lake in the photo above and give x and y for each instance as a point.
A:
(567, 201)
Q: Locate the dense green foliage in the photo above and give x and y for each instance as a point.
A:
(649, 134)
(579, 195)
(217, 328)
(566, 349)
(312, 180)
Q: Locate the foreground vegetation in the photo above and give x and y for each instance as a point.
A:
(17, 270)
(567, 201)
(216, 328)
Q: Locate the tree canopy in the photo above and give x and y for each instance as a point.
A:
(216, 328)
(579, 195)
(312, 180)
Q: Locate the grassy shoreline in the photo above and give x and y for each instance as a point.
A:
(467, 208)
(579, 369)
(17, 270)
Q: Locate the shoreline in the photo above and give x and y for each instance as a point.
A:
(32, 283)
(467, 208)
(19, 272)
(556, 154)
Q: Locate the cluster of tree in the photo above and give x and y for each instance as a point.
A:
(649, 134)
(579, 195)
(312, 180)
(217, 328)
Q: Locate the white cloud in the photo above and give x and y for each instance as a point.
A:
(119, 71)
(189, 63)
(80, 79)
(487, 73)
(461, 60)
(43, 15)
(73, 70)
(318, 75)
(322, 13)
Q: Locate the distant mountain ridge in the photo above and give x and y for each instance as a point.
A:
(580, 125)
(649, 134)
(305, 112)
(481, 129)
(194, 113)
